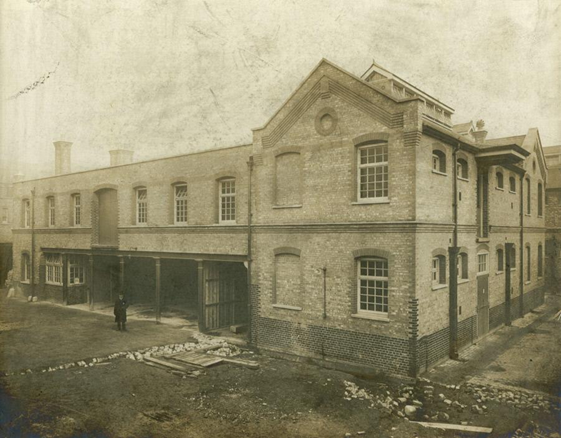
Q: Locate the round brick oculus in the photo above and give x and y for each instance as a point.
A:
(326, 121)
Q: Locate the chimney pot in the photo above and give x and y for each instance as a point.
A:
(120, 156)
(62, 157)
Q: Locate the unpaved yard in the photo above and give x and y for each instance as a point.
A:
(126, 398)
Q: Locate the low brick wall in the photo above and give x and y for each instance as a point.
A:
(383, 353)
(497, 316)
(51, 293)
(77, 294)
(433, 347)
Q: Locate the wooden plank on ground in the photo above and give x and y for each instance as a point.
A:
(461, 427)
(166, 364)
(198, 359)
(246, 363)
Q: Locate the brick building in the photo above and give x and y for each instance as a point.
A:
(360, 226)
(553, 218)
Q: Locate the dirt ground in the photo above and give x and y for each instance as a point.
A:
(127, 398)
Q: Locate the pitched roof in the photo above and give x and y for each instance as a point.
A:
(552, 150)
(462, 127)
(515, 139)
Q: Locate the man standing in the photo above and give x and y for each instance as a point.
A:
(120, 312)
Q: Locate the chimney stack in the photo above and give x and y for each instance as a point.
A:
(120, 156)
(62, 157)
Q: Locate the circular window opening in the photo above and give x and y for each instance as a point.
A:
(326, 121)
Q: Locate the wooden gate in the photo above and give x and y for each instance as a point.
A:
(482, 305)
(225, 294)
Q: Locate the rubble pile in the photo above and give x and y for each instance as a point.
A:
(516, 398)
(226, 350)
(214, 346)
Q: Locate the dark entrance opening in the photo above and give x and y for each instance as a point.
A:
(225, 295)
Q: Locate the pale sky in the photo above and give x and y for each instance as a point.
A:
(165, 77)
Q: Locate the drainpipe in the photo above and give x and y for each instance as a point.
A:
(324, 269)
(249, 249)
(453, 260)
(521, 273)
(32, 273)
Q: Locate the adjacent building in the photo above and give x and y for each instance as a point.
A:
(360, 226)
(553, 218)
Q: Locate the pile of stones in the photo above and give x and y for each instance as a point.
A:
(516, 398)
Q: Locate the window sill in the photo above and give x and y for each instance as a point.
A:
(499, 272)
(500, 188)
(278, 207)
(180, 224)
(512, 269)
(371, 201)
(227, 223)
(76, 284)
(371, 316)
(437, 172)
(527, 282)
(439, 286)
(479, 274)
(540, 216)
(463, 280)
(25, 282)
(510, 191)
(53, 284)
(528, 215)
(482, 240)
(285, 307)
(463, 179)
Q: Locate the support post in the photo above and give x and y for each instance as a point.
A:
(508, 261)
(158, 297)
(521, 251)
(453, 252)
(92, 285)
(65, 279)
(200, 290)
(121, 274)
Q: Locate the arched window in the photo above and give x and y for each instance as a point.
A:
(540, 261)
(373, 289)
(25, 268)
(512, 184)
(500, 260)
(540, 199)
(141, 195)
(51, 211)
(462, 266)
(438, 161)
(528, 197)
(483, 263)
(180, 203)
(372, 165)
(462, 168)
(500, 182)
(438, 270)
(528, 263)
(76, 210)
(227, 200)
(26, 206)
